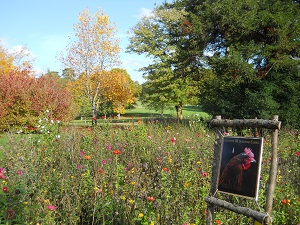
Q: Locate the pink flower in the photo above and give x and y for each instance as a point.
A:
(204, 174)
(2, 176)
(20, 172)
(81, 153)
(79, 167)
(51, 207)
(104, 161)
(108, 147)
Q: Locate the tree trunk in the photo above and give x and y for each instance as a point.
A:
(179, 111)
(94, 112)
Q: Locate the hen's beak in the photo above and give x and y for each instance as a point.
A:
(253, 160)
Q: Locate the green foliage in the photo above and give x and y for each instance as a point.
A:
(254, 50)
(164, 87)
(249, 51)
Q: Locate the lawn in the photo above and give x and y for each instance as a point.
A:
(140, 112)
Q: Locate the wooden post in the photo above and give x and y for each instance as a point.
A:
(216, 123)
(272, 173)
(215, 170)
(259, 216)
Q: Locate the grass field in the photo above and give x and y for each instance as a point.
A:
(140, 112)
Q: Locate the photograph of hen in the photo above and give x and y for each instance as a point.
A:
(240, 167)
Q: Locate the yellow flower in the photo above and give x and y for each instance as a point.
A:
(151, 223)
(122, 197)
(141, 215)
(198, 162)
(131, 201)
(132, 182)
(187, 184)
(170, 160)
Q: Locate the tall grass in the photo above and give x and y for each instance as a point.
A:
(142, 174)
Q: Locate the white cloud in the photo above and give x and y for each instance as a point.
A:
(37, 72)
(145, 13)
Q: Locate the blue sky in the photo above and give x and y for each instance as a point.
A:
(43, 26)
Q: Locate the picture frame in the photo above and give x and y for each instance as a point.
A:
(240, 166)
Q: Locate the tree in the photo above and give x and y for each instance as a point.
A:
(118, 90)
(254, 54)
(17, 60)
(94, 51)
(24, 100)
(164, 86)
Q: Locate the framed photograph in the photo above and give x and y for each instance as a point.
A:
(240, 167)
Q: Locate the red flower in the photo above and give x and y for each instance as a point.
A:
(165, 169)
(116, 152)
(218, 222)
(298, 153)
(173, 139)
(151, 198)
(204, 174)
(4, 189)
(94, 118)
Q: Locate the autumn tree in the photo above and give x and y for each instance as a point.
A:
(14, 60)
(94, 50)
(24, 99)
(118, 90)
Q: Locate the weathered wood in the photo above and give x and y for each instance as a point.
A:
(246, 123)
(216, 123)
(272, 172)
(214, 177)
(259, 216)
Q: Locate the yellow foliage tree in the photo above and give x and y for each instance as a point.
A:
(94, 51)
(118, 89)
(16, 60)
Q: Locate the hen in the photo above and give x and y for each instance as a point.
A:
(232, 175)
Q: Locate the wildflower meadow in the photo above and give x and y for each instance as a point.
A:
(143, 173)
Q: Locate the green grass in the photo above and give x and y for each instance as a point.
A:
(141, 112)
(3, 145)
